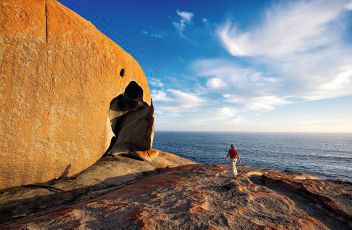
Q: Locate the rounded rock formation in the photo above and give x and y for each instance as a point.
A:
(66, 90)
(147, 155)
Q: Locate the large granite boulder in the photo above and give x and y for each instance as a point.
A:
(67, 94)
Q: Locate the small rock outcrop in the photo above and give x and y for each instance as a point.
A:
(199, 196)
(148, 155)
(67, 94)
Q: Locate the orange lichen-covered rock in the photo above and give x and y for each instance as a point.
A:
(147, 155)
(67, 93)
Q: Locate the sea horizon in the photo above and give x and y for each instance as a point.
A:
(325, 155)
(269, 132)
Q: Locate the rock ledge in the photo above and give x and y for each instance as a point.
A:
(201, 196)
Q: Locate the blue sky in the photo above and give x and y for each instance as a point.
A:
(282, 66)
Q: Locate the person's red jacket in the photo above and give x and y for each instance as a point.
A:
(233, 153)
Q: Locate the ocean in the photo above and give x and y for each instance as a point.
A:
(328, 156)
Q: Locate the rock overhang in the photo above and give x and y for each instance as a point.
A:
(58, 77)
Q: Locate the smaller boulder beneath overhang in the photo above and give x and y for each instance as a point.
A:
(147, 155)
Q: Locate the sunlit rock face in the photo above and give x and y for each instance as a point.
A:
(59, 80)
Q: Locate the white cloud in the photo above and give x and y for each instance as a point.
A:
(187, 99)
(156, 83)
(235, 46)
(184, 19)
(216, 83)
(176, 101)
(301, 42)
(228, 114)
(160, 96)
(206, 118)
(185, 15)
(286, 29)
(341, 80)
(152, 35)
(229, 76)
(268, 102)
(349, 6)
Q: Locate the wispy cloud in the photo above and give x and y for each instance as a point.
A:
(221, 114)
(152, 35)
(227, 76)
(160, 96)
(181, 110)
(176, 101)
(184, 19)
(301, 43)
(287, 29)
(268, 102)
(349, 6)
(216, 83)
(156, 83)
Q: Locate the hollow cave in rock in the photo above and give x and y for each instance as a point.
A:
(131, 121)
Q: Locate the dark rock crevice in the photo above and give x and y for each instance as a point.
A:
(131, 121)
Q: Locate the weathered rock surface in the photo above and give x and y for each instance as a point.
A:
(202, 197)
(109, 173)
(66, 90)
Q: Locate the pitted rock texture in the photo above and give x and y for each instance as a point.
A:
(58, 76)
(204, 197)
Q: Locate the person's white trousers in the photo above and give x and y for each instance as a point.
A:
(233, 166)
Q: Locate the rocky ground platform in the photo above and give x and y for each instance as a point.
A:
(173, 193)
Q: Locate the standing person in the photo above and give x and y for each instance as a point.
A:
(233, 154)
